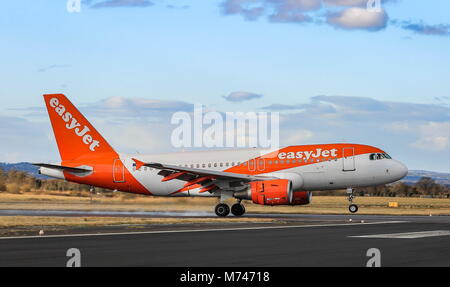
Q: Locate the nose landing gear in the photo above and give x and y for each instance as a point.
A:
(353, 208)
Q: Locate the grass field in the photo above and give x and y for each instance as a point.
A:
(319, 205)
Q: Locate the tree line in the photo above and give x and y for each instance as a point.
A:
(425, 187)
(14, 181)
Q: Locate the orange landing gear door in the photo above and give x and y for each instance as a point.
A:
(118, 171)
(349, 159)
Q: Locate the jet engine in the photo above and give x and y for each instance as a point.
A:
(269, 192)
(274, 192)
(302, 198)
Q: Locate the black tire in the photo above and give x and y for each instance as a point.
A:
(353, 208)
(222, 210)
(238, 209)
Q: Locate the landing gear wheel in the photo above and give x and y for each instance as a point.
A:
(222, 210)
(353, 208)
(237, 209)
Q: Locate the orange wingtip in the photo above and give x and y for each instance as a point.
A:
(139, 163)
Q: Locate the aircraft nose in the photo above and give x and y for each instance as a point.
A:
(400, 170)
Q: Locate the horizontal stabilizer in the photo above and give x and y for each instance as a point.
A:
(63, 168)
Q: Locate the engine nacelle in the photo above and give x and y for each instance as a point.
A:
(295, 178)
(302, 198)
(269, 192)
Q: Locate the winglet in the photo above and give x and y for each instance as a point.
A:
(139, 163)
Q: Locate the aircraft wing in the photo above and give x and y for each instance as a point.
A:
(181, 172)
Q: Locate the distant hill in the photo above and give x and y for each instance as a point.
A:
(23, 166)
(415, 175)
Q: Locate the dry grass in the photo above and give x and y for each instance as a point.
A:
(320, 204)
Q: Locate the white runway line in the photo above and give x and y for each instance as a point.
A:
(408, 235)
(199, 230)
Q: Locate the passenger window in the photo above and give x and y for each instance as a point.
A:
(270, 162)
(373, 156)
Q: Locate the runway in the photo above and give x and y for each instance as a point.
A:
(302, 240)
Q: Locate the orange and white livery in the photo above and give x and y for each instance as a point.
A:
(283, 177)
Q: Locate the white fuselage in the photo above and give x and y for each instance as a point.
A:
(329, 174)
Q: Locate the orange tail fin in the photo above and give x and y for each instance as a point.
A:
(75, 136)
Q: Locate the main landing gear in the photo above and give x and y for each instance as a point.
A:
(223, 209)
(353, 208)
(238, 209)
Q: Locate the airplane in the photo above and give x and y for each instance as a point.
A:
(287, 176)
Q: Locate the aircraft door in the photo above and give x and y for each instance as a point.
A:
(348, 159)
(261, 164)
(118, 171)
(251, 165)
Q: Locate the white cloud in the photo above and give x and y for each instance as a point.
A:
(358, 18)
(345, 14)
(138, 105)
(434, 136)
(242, 96)
(121, 3)
(297, 137)
(354, 3)
(25, 140)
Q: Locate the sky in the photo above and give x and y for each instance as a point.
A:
(334, 70)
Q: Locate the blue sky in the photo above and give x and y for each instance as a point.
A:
(343, 76)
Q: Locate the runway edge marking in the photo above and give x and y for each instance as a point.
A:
(198, 230)
(407, 235)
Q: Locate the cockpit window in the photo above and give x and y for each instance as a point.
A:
(378, 156)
